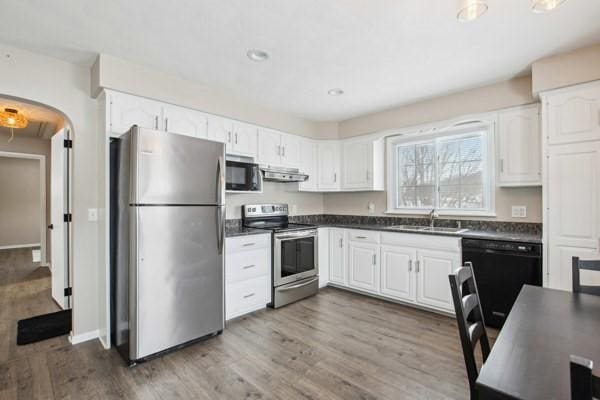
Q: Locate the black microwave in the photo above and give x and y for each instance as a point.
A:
(242, 177)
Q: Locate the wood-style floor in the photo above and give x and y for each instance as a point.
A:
(336, 345)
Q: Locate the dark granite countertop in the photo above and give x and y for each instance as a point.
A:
(238, 230)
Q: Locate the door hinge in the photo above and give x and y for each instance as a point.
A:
(68, 217)
(68, 291)
(68, 144)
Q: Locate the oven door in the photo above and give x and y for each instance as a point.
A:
(295, 256)
(242, 177)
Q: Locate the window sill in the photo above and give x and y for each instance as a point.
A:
(421, 212)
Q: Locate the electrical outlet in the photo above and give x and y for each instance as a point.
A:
(519, 211)
(92, 214)
(371, 208)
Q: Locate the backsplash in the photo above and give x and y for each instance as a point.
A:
(478, 225)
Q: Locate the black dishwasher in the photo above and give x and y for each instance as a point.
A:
(501, 268)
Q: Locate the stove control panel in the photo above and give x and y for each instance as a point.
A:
(264, 210)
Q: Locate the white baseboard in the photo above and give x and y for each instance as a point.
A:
(83, 337)
(104, 344)
(19, 246)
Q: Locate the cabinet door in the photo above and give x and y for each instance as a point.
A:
(328, 161)
(574, 115)
(185, 122)
(363, 266)
(220, 130)
(433, 287)
(290, 150)
(337, 257)
(357, 158)
(245, 139)
(126, 111)
(308, 164)
(573, 207)
(269, 147)
(397, 278)
(519, 147)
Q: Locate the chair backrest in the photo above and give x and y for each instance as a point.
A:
(584, 384)
(578, 265)
(469, 318)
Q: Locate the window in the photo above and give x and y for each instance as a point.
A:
(450, 173)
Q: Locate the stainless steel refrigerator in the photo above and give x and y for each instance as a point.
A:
(167, 241)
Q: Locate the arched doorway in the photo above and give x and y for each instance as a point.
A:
(47, 139)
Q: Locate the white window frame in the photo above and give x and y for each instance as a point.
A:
(418, 136)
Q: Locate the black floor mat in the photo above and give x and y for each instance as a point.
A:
(43, 327)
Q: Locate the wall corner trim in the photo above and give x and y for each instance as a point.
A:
(83, 337)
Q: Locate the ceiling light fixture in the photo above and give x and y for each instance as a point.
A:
(470, 10)
(542, 6)
(257, 55)
(335, 92)
(10, 118)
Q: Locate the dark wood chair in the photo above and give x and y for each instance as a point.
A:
(578, 265)
(584, 384)
(469, 318)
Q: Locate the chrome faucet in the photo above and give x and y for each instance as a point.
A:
(432, 216)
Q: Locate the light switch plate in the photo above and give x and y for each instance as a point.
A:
(92, 214)
(519, 211)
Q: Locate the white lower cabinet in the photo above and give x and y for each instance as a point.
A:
(247, 274)
(397, 278)
(363, 266)
(433, 268)
(401, 266)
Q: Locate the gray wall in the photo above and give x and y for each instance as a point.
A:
(20, 210)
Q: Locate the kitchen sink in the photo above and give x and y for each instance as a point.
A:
(418, 228)
(408, 228)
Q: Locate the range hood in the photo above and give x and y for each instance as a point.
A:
(277, 174)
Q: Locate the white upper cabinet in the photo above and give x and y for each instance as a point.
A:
(308, 164)
(278, 149)
(362, 164)
(126, 111)
(244, 139)
(433, 268)
(328, 165)
(185, 121)
(519, 147)
(220, 130)
(290, 148)
(574, 114)
(269, 147)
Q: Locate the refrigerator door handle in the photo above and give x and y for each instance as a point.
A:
(220, 181)
(220, 228)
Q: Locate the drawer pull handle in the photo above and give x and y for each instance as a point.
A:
(361, 237)
(249, 295)
(249, 266)
(249, 244)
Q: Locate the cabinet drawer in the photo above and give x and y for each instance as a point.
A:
(247, 296)
(251, 242)
(245, 265)
(363, 236)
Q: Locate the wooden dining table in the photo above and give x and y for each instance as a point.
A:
(530, 358)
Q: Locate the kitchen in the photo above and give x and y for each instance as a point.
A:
(353, 214)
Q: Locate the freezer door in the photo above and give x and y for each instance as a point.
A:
(174, 169)
(178, 268)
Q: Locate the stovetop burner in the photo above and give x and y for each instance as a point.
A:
(273, 217)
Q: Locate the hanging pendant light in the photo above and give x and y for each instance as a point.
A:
(542, 6)
(10, 118)
(470, 10)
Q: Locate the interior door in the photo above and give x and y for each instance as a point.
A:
(58, 207)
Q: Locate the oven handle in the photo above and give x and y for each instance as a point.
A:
(297, 235)
(313, 280)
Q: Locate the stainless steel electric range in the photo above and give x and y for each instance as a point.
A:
(295, 249)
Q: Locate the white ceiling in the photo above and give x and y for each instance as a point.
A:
(382, 53)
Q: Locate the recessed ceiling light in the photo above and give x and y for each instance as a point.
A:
(257, 55)
(470, 10)
(335, 92)
(542, 6)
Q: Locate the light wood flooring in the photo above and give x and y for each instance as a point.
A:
(336, 345)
